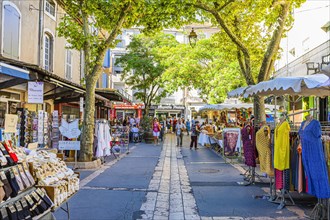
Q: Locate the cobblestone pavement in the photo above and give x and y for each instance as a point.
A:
(172, 197)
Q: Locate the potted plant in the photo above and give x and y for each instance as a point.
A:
(146, 127)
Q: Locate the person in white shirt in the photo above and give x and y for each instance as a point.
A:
(131, 121)
(135, 133)
(179, 132)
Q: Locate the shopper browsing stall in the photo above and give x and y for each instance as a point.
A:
(195, 129)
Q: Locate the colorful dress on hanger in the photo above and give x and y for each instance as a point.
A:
(264, 152)
(248, 146)
(314, 160)
(282, 146)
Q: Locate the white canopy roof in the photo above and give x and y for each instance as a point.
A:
(237, 92)
(317, 84)
(227, 106)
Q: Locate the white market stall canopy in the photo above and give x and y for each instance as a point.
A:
(237, 92)
(227, 106)
(317, 84)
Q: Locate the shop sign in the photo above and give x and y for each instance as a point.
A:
(178, 107)
(10, 123)
(69, 145)
(35, 92)
(127, 106)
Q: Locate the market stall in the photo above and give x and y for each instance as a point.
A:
(288, 166)
(34, 182)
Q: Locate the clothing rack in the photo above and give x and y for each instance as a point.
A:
(282, 200)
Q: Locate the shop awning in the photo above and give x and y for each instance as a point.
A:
(14, 71)
(112, 95)
(63, 91)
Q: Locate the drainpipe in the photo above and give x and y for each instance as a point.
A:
(40, 32)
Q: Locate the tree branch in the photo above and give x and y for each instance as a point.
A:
(110, 39)
(274, 43)
(240, 61)
(233, 37)
(225, 5)
(86, 42)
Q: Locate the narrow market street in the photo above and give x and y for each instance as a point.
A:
(168, 182)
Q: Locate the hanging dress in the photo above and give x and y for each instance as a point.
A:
(248, 147)
(100, 142)
(264, 151)
(282, 146)
(314, 160)
(107, 140)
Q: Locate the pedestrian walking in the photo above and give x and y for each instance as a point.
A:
(175, 121)
(162, 129)
(194, 134)
(156, 130)
(188, 126)
(179, 132)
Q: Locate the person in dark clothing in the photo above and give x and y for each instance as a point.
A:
(194, 135)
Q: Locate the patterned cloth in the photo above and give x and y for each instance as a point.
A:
(248, 147)
(231, 138)
(314, 160)
(265, 154)
(278, 179)
(282, 146)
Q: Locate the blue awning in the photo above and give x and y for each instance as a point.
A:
(14, 71)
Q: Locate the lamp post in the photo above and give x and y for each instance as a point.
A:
(192, 38)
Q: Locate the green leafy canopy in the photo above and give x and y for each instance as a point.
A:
(143, 66)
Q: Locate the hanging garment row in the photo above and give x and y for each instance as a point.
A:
(102, 139)
(300, 161)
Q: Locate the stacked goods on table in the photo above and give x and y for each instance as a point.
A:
(218, 135)
(19, 199)
(209, 129)
(32, 182)
(52, 174)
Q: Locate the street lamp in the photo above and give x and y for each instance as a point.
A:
(192, 38)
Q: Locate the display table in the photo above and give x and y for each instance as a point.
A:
(208, 139)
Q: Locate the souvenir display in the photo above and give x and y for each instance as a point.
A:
(24, 125)
(31, 184)
(33, 204)
(55, 130)
(53, 175)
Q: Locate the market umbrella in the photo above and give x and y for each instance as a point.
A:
(209, 107)
(317, 84)
(225, 106)
(229, 106)
(237, 92)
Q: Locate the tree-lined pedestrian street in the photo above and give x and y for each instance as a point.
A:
(169, 182)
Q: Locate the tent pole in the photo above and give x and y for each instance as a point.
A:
(275, 117)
